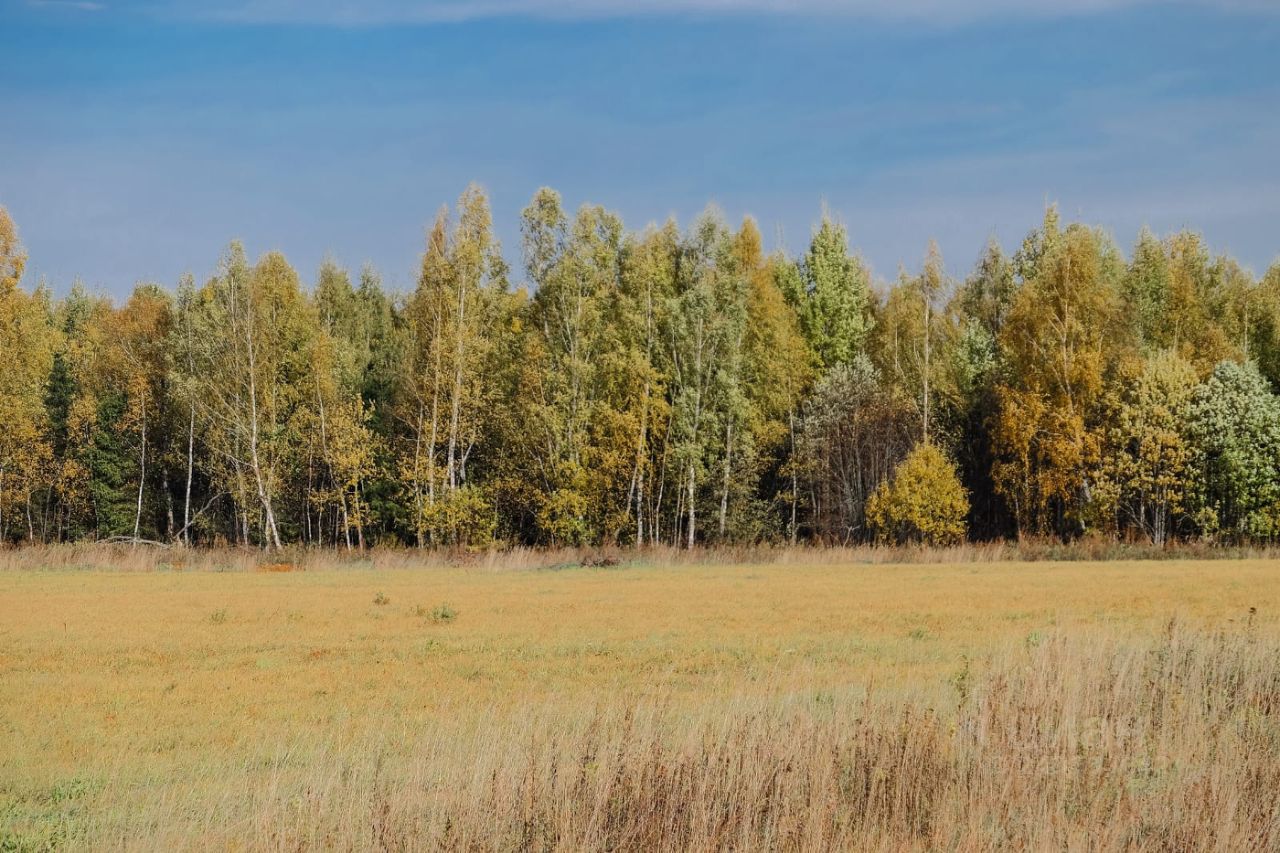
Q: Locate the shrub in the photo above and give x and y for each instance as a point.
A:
(438, 614)
(464, 516)
(922, 502)
(562, 517)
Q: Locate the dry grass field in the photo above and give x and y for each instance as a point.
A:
(795, 704)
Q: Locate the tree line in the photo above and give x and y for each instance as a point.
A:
(661, 386)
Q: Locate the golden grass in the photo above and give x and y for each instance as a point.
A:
(791, 704)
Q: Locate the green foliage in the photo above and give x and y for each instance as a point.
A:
(1147, 448)
(447, 380)
(987, 295)
(1146, 290)
(442, 614)
(589, 366)
(836, 312)
(562, 517)
(923, 501)
(1234, 432)
(112, 469)
(1257, 317)
(463, 516)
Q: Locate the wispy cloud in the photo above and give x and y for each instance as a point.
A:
(75, 5)
(372, 12)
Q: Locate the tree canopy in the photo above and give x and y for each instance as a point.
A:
(660, 386)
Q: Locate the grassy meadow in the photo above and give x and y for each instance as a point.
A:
(800, 703)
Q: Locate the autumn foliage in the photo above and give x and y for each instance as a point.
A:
(660, 387)
(923, 501)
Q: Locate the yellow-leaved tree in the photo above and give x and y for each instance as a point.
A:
(923, 501)
(1064, 328)
(26, 343)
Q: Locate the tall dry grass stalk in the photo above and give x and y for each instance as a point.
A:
(1072, 743)
(93, 556)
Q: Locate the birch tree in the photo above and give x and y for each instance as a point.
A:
(650, 268)
(452, 320)
(252, 382)
(1146, 447)
(1061, 336)
(138, 355)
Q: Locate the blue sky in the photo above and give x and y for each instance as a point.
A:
(140, 136)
